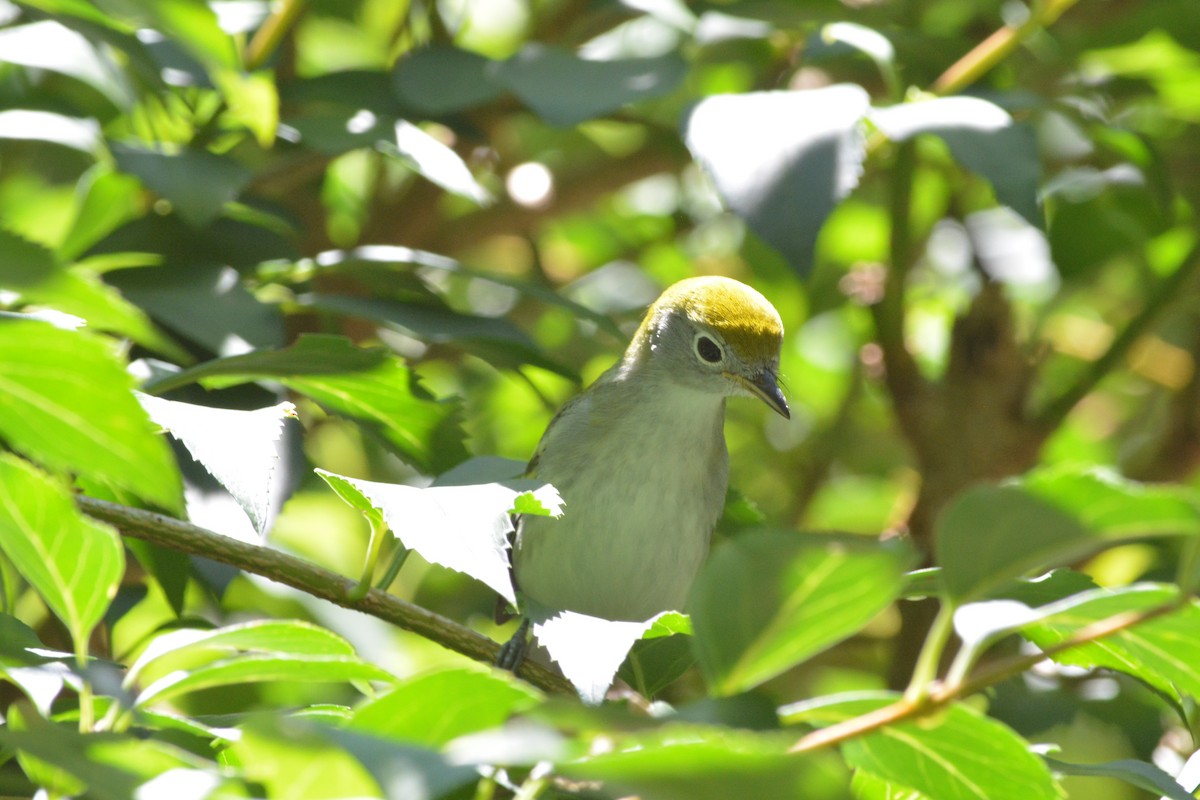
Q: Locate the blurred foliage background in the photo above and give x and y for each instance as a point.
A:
(493, 190)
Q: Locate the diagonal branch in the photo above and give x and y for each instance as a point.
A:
(1000, 671)
(311, 579)
(1169, 290)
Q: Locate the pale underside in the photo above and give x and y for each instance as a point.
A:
(658, 465)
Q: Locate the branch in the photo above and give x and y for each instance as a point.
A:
(1000, 671)
(311, 579)
(997, 47)
(1169, 290)
(269, 35)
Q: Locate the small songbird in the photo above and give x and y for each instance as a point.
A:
(639, 457)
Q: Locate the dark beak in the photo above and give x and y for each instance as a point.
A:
(765, 385)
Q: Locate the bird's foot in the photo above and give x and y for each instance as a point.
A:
(512, 653)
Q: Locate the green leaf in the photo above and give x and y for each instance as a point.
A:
(991, 534)
(782, 160)
(660, 656)
(984, 139)
(239, 448)
(204, 302)
(193, 24)
(494, 339)
(1136, 773)
(51, 46)
(196, 182)
(464, 528)
(25, 662)
(565, 90)
(188, 647)
(263, 668)
(292, 763)
(434, 708)
(810, 592)
(105, 200)
(385, 255)
(74, 562)
(36, 273)
(368, 384)
(66, 402)
(1163, 651)
(955, 753)
(684, 762)
(440, 79)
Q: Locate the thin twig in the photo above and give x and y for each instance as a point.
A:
(311, 579)
(1000, 671)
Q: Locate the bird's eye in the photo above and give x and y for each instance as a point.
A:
(708, 350)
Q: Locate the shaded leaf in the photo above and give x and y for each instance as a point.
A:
(74, 562)
(662, 654)
(984, 139)
(564, 89)
(494, 339)
(1136, 773)
(368, 384)
(810, 592)
(782, 160)
(439, 79)
(198, 183)
(239, 448)
(66, 402)
(991, 534)
(954, 754)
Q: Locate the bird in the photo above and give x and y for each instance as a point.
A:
(640, 461)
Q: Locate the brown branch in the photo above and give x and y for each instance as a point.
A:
(1000, 671)
(311, 579)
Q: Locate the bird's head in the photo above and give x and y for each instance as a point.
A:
(715, 335)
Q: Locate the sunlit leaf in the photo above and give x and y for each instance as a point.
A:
(49, 45)
(782, 160)
(434, 708)
(436, 162)
(74, 562)
(78, 134)
(955, 754)
(1163, 651)
(810, 592)
(681, 762)
(589, 650)
(66, 402)
(239, 448)
(464, 528)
